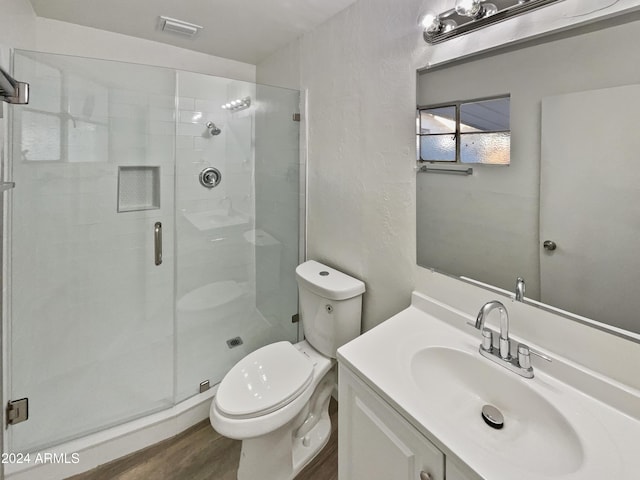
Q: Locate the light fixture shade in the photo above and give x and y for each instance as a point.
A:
(470, 15)
(238, 104)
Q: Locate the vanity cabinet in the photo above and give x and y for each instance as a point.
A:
(376, 443)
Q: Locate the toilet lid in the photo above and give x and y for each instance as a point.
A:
(264, 381)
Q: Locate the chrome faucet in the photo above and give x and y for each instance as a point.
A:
(521, 364)
(487, 308)
(520, 289)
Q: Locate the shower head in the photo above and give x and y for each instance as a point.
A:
(213, 130)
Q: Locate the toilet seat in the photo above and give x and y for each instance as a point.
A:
(264, 381)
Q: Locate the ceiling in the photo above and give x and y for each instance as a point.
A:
(243, 30)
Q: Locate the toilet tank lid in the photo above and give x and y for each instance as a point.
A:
(328, 282)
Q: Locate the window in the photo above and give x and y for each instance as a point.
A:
(465, 132)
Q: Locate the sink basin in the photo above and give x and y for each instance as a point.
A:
(536, 437)
(565, 423)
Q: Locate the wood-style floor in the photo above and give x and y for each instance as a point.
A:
(201, 454)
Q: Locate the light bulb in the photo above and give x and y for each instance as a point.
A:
(468, 8)
(429, 22)
(448, 25)
(488, 9)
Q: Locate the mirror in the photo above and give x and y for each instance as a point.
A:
(573, 180)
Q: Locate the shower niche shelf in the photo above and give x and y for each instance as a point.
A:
(138, 188)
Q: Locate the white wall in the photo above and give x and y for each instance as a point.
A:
(359, 70)
(361, 188)
(54, 36)
(281, 68)
(17, 24)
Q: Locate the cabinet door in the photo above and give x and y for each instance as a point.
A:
(376, 443)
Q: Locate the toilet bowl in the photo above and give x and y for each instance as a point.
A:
(276, 399)
(279, 382)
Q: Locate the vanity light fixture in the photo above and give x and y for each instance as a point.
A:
(239, 104)
(469, 15)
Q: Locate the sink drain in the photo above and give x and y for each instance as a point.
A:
(234, 342)
(492, 417)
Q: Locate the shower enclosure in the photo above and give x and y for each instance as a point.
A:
(130, 284)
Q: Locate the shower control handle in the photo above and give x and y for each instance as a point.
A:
(210, 177)
(157, 242)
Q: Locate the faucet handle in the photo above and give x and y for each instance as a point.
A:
(524, 356)
(487, 339)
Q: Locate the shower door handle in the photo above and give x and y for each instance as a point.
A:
(157, 242)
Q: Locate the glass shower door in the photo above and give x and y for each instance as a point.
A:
(237, 243)
(91, 311)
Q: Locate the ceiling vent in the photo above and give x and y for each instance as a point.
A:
(173, 25)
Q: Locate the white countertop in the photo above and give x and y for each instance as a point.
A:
(606, 436)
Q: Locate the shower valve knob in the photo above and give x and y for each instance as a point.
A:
(210, 177)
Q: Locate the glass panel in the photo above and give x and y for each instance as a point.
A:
(91, 327)
(438, 120)
(486, 148)
(440, 148)
(237, 243)
(485, 116)
(94, 320)
(278, 211)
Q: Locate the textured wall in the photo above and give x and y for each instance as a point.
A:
(359, 73)
(282, 68)
(17, 24)
(360, 76)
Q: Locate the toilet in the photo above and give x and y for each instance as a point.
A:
(276, 399)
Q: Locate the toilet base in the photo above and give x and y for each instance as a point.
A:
(283, 453)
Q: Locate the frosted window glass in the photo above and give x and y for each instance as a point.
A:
(440, 148)
(40, 136)
(485, 148)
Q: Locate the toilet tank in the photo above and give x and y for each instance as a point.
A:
(330, 306)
